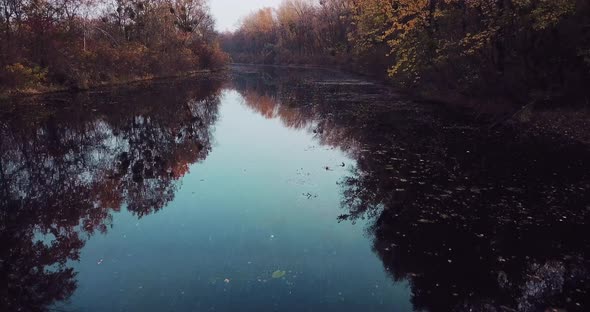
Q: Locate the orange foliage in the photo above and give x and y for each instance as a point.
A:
(64, 45)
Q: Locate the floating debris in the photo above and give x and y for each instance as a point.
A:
(309, 195)
(278, 274)
(425, 221)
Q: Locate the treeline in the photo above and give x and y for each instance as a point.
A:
(521, 50)
(81, 43)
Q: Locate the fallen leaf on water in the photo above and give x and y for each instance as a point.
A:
(278, 274)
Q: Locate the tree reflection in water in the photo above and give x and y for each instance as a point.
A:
(68, 161)
(472, 219)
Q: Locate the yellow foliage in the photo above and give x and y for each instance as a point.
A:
(22, 76)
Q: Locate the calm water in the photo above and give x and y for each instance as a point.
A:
(284, 190)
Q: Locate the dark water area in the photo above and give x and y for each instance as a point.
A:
(278, 189)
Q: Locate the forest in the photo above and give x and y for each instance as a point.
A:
(315, 155)
(509, 52)
(512, 52)
(77, 44)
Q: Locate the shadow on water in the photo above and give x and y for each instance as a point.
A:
(67, 162)
(472, 219)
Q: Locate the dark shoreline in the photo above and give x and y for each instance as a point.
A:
(572, 123)
(14, 94)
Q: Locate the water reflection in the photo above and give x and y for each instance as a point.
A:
(473, 219)
(470, 219)
(68, 161)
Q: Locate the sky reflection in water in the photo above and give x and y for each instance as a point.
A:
(241, 214)
(191, 196)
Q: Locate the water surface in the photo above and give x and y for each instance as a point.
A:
(284, 190)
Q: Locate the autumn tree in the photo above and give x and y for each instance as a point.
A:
(521, 50)
(80, 43)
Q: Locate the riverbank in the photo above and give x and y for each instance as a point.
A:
(49, 89)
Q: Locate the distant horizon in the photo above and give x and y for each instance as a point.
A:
(229, 13)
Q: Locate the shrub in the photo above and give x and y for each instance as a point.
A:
(19, 76)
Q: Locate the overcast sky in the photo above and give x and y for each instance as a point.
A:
(228, 13)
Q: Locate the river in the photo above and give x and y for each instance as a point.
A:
(277, 189)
